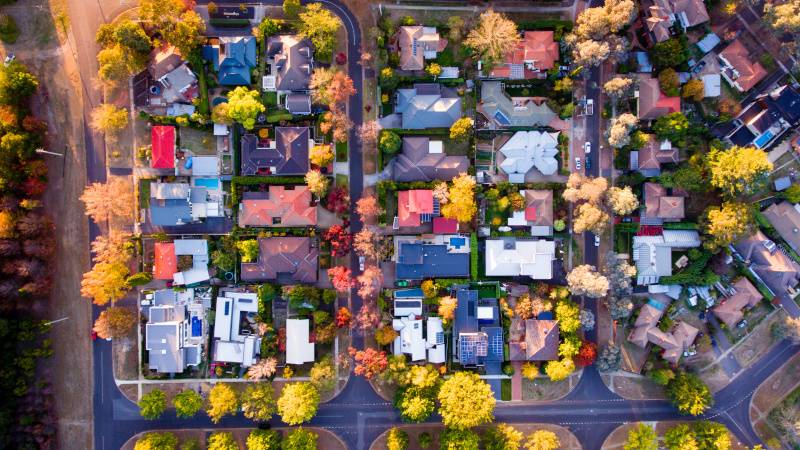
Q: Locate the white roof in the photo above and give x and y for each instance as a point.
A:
(298, 348)
(229, 309)
(517, 219)
(194, 247)
(409, 340)
(435, 340)
(682, 238)
(198, 249)
(528, 149)
(220, 129)
(436, 147)
(449, 72)
(226, 351)
(191, 276)
(205, 166)
(711, 84)
(252, 346)
(404, 307)
(508, 257)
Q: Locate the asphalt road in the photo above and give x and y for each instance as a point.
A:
(358, 415)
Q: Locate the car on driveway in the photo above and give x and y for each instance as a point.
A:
(578, 163)
(587, 147)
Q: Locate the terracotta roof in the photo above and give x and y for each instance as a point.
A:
(165, 261)
(653, 154)
(533, 340)
(292, 258)
(746, 296)
(412, 204)
(539, 207)
(646, 330)
(683, 336)
(659, 205)
(280, 206)
(163, 147)
(413, 42)
(652, 102)
(536, 46)
(658, 22)
(750, 72)
(778, 271)
(695, 10)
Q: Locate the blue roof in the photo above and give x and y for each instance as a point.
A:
(232, 59)
(496, 343)
(466, 319)
(170, 212)
(643, 62)
(708, 43)
(417, 261)
(545, 315)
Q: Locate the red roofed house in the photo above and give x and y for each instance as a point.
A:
(652, 103)
(443, 225)
(737, 68)
(414, 207)
(283, 206)
(165, 263)
(163, 147)
(536, 53)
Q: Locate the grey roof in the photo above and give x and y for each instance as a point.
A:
(424, 107)
(417, 261)
(164, 297)
(293, 62)
(162, 342)
(168, 191)
(170, 212)
(498, 107)
(289, 157)
(298, 103)
(415, 163)
(783, 183)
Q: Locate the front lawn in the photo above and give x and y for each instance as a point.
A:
(341, 152)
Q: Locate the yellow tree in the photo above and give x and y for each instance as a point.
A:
(494, 36)
(461, 204)
(114, 322)
(222, 400)
(622, 200)
(694, 89)
(321, 155)
(726, 224)
(560, 369)
(317, 183)
(319, 25)
(461, 128)
(739, 170)
(589, 217)
(542, 440)
(465, 401)
(106, 282)
(108, 201)
(108, 118)
(244, 106)
(447, 308)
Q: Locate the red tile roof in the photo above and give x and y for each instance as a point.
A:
(750, 72)
(163, 147)
(165, 262)
(537, 46)
(412, 204)
(443, 225)
(652, 102)
(291, 206)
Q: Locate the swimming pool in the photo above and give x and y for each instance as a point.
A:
(458, 242)
(210, 183)
(762, 140)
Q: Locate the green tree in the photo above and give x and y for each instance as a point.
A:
(187, 33)
(792, 194)
(502, 437)
(415, 404)
(689, 394)
(455, 439)
(126, 33)
(691, 178)
(248, 249)
(396, 439)
(16, 83)
(643, 437)
(156, 441)
(662, 377)
(739, 170)
(461, 129)
(711, 435)
(291, 9)
(673, 127)
(680, 437)
(670, 53)
(389, 142)
(244, 106)
(320, 26)
(298, 403)
(187, 402)
(222, 400)
(153, 404)
(263, 440)
(258, 402)
(542, 440)
(465, 401)
(268, 27)
(669, 82)
(300, 439)
(221, 440)
(388, 79)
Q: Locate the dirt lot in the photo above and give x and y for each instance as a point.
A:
(542, 389)
(327, 440)
(568, 440)
(201, 143)
(777, 386)
(759, 341)
(634, 387)
(616, 440)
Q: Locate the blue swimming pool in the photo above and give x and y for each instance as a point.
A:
(656, 304)
(197, 327)
(458, 242)
(210, 183)
(502, 118)
(762, 140)
(408, 293)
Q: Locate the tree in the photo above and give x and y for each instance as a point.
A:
(502, 437)
(156, 441)
(461, 129)
(728, 109)
(385, 335)
(609, 359)
(370, 245)
(622, 200)
(672, 127)
(724, 225)
(669, 53)
(300, 439)
(690, 178)
(298, 403)
(248, 249)
(447, 308)
(739, 170)
(433, 69)
(320, 26)
(343, 317)
(465, 401)
(258, 402)
(711, 435)
(264, 368)
(589, 217)
(321, 155)
(263, 440)
(17, 83)
(368, 132)
(153, 404)
(494, 37)
(792, 194)
(340, 278)
(108, 201)
(689, 394)
(187, 402)
(621, 127)
(388, 79)
(586, 354)
(618, 87)
(783, 17)
(340, 240)
(620, 273)
(323, 375)
(792, 329)
(370, 282)
(338, 200)
(567, 314)
(461, 204)
(369, 362)
(559, 370)
(108, 118)
(590, 53)
(291, 9)
(455, 25)
(321, 79)
(105, 282)
(219, 114)
(368, 208)
(581, 188)
(114, 322)
(458, 439)
(680, 437)
(669, 82)
(244, 106)
(396, 439)
(694, 89)
(317, 183)
(542, 440)
(587, 320)
(564, 85)
(222, 400)
(389, 142)
(187, 33)
(415, 405)
(367, 318)
(336, 122)
(221, 440)
(643, 437)
(584, 280)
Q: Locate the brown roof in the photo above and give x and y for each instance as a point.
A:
(417, 163)
(786, 220)
(777, 270)
(655, 153)
(413, 42)
(645, 331)
(292, 259)
(659, 205)
(533, 340)
(163, 61)
(683, 336)
(746, 296)
(280, 206)
(652, 102)
(750, 72)
(647, 320)
(658, 21)
(539, 207)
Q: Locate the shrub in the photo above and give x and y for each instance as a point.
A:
(9, 32)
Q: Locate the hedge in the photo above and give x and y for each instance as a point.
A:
(229, 23)
(473, 255)
(278, 116)
(545, 24)
(445, 283)
(255, 181)
(425, 132)
(680, 226)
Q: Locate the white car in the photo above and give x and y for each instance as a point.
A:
(596, 240)
(578, 163)
(361, 263)
(587, 147)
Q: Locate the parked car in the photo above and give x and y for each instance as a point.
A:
(578, 163)
(742, 323)
(596, 240)
(589, 107)
(588, 163)
(587, 147)
(361, 263)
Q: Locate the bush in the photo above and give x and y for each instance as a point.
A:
(9, 32)
(389, 142)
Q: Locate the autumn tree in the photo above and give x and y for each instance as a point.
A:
(105, 282)
(494, 37)
(739, 170)
(323, 374)
(558, 370)
(338, 200)
(643, 437)
(368, 132)
(320, 26)
(370, 245)
(542, 440)
(108, 201)
(622, 200)
(222, 400)
(618, 87)
(337, 123)
(340, 278)
(259, 439)
(669, 82)
(153, 404)
(339, 239)
(258, 402)
(447, 308)
(219, 114)
(694, 89)
(587, 354)
(368, 208)
(367, 318)
(689, 394)
(783, 17)
(321, 155)
(581, 188)
(221, 440)
(461, 204)
(590, 53)
(584, 280)
(502, 437)
(114, 322)
(711, 435)
(369, 362)
(343, 317)
(300, 439)
(385, 335)
(370, 282)
(568, 316)
(433, 69)
(110, 119)
(621, 127)
(680, 437)
(465, 401)
(461, 129)
(728, 109)
(458, 439)
(187, 403)
(331, 87)
(589, 217)
(725, 224)
(157, 441)
(244, 106)
(298, 403)
(291, 9)
(317, 183)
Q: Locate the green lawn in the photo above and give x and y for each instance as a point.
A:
(270, 98)
(144, 192)
(341, 152)
(341, 180)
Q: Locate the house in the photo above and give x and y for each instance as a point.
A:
(745, 296)
(291, 64)
(416, 44)
(652, 255)
(162, 147)
(645, 330)
(533, 340)
(415, 207)
(280, 206)
(438, 256)
(286, 154)
(236, 338)
(648, 159)
(527, 150)
(408, 322)
(661, 207)
(651, 102)
(233, 57)
(174, 331)
(538, 212)
(422, 159)
(707, 44)
(785, 218)
(443, 225)
(184, 261)
(503, 111)
(477, 334)
(663, 14)
(425, 106)
(176, 81)
(511, 257)
(737, 67)
(299, 348)
(768, 263)
(173, 204)
(286, 260)
(535, 54)
(766, 118)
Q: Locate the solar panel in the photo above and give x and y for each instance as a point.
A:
(497, 344)
(439, 337)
